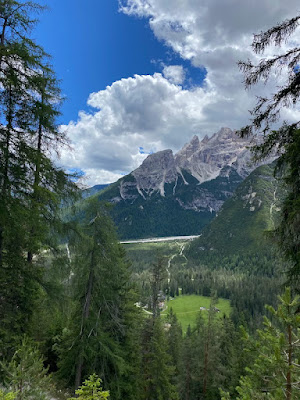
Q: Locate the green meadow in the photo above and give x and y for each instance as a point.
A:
(187, 307)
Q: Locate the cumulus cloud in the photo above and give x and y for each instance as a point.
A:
(156, 112)
(213, 34)
(174, 73)
(143, 111)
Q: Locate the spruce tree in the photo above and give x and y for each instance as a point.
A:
(91, 390)
(31, 186)
(186, 376)
(96, 338)
(275, 373)
(157, 369)
(25, 374)
(283, 141)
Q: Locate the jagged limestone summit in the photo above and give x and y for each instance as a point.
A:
(178, 194)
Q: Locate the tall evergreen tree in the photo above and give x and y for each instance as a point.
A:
(25, 374)
(158, 275)
(30, 185)
(186, 376)
(97, 338)
(285, 140)
(275, 373)
(157, 368)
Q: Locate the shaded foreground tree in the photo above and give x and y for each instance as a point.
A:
(98, 337)
(31, 186)
(285, 140)
(157, 369)
(25, 374)
(275, 372)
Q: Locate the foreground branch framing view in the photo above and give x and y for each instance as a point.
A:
(179, 280)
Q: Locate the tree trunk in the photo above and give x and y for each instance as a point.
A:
(85, 315)
(289, 374)
(36, 180)
(5, 182)
(206, 353)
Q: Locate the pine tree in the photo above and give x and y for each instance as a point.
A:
(91, 390)
(275, 373)
(186, 376)
(284, 141)
(174, 339)
(25, 374)
(31, 186)
(157, 370)
(97, 338)
(157, 276)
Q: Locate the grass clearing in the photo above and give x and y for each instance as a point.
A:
(187, 307)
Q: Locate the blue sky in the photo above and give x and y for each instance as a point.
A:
(151, 74)
(93, 45)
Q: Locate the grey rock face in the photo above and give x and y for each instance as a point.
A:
(157, 170)
(205, 160)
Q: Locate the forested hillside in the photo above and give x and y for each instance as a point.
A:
(245, 220)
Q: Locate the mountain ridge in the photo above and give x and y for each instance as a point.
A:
(179, 194)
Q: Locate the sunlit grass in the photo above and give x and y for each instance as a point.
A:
(187, 308)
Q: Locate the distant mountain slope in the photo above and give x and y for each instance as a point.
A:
(243, 220)
(179, 194)
(169, 215)
(93, 190)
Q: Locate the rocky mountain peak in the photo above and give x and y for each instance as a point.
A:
(156, 170)
(204, 160)
(188, 149)
(195, 141)
(161, 158)
(170, 193)
(205, 139)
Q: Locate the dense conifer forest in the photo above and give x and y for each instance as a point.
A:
(72, 315)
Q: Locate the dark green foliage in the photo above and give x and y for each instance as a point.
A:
(244, 219)
(25, 374)
(285, 140)
(289, 229)
(157, 370)
(174, 339)
(248, 280)
(209, 358)
(31, 187)
(98, 337)
(275, 373)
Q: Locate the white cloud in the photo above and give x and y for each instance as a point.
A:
(213, 34)
(174, 73)
(155, 112)
(143, 111)
(94, 176)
